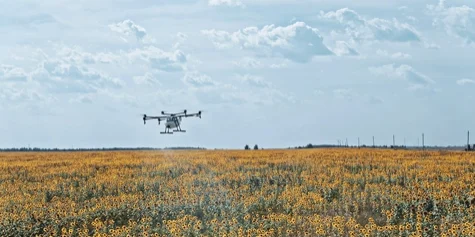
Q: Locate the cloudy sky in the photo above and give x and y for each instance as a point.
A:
(275, 73)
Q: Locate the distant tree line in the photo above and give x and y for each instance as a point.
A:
(256, 147)
(36, 149)
(184, 148)
(312, 146)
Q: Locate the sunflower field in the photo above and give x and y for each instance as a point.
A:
(315, 192)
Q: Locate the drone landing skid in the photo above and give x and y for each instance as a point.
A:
(167, 131)
(179, 130)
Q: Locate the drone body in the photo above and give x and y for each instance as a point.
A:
(172, 120)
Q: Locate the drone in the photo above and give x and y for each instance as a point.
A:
(172, 120)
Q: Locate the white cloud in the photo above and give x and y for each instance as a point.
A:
(29, 19)
(344, 16)
(254, 81)
(128, 27)
(64, 74)
(14, 97)
(354, 96)
(465, 81)
(9, 73)
(78, 56)
(62, 77)
(404, 72)
(411, 18)
(343, 93)
(253, 63)
(216, 95)
(398, 55)
(83, 99)
(159, 59)
(196, 79)
(231, 3)
(276, 96)
(457, 21)
(374, 99)
(360, 28)
(297, 42)
(122, 98)
(147, 79)
(265, 96)
(248, 63)
(262, 92)
(277, 66)
(344, 49)
(180, 39)
(431, 46)
(318, 92)
(208, 91)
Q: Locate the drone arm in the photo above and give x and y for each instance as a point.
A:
(153, 117)
(191, 115)
(159, 118)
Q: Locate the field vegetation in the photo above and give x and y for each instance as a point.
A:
(315, 192)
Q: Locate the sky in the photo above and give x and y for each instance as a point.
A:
(277, 73)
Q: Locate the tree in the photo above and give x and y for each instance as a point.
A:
(247, 147)
(256, 147)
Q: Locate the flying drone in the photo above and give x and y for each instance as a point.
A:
(172, 120)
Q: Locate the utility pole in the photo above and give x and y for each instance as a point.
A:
(468, 140)
(358, 142)
(373, 142)
(394, 141)
(346, 144)
(423, 145)
(404, 142)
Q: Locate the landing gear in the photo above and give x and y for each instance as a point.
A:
(167, 131)
(177, 124)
